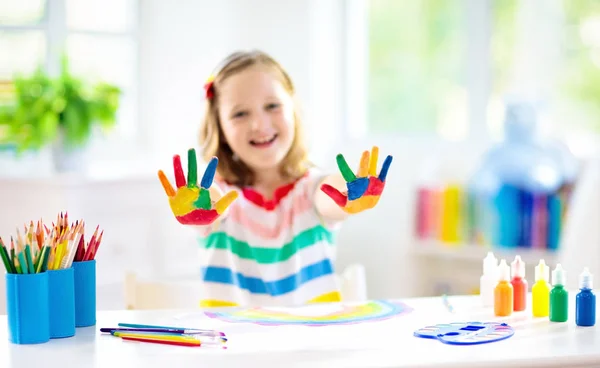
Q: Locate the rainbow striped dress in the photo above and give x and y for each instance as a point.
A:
(270, 253)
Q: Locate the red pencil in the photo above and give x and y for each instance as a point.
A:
(80, 248)
(91, 245)
(165, 342)
(96, 246)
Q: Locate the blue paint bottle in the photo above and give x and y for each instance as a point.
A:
(585, 302)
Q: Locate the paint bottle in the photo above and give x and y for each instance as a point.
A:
(585, 301)
(540, 292)
(519, 284)
(503, 293)
(559, 296)
(488, 280)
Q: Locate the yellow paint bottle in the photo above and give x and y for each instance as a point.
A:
(540, 292)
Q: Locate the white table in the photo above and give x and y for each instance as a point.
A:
(536, 343)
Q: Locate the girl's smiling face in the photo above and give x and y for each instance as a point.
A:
(257, 117)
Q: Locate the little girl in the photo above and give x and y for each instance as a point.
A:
(269, 240)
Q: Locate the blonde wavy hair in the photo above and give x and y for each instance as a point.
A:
(212, 140)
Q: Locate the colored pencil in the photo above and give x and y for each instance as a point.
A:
(170, 332)
(97, 245)
(165, 342)
(177, 338)
(29, 259)
(6, 258)
(158, 336)
(23, 263)
(90, 248)
(37, 248)
(167, 328)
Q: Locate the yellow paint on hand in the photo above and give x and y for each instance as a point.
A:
(363, 169)
(373, 162)
(223, 203)
(361, 204)
(183, 201)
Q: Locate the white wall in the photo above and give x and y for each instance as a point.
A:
(180, 46)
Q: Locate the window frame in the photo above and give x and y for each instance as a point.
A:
(54, 26)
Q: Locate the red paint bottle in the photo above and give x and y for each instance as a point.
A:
(519, 284)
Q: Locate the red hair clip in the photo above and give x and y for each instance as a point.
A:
(209, 88)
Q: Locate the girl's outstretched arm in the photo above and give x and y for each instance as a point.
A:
(327, 208)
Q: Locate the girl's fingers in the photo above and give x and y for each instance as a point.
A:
(192, 179)
(338, 197)
(179, 177)
(223, 203)
(166, 184)
(209, 173)
(344, 168)
(385, 167)
(373, 162)
(363, 169)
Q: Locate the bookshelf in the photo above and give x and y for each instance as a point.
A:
(456, 268)
(476, 253)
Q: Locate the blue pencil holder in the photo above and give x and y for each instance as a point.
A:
(61, 302)
(85, 293)
(27, 308)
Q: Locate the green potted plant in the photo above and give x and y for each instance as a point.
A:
(58, 111)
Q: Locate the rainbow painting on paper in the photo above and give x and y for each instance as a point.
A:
(317, 314)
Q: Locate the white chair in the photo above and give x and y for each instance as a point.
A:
(160, 294)
(185, 294)
(353, 283)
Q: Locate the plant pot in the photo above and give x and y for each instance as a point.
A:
(68, 159)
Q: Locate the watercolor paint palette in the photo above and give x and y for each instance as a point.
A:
(466, 333)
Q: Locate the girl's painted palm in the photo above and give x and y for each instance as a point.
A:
(191, 204)
(365, 188)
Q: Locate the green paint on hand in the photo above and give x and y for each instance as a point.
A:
(203, 201)
(345, 169)
(192, 180)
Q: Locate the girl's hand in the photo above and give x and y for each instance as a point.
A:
(363, 189)
(191, 204)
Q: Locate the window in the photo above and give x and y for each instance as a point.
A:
(98, 36)
(445, 67)
(416, 56)
(23, 41)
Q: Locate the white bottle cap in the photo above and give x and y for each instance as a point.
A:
(559, 276)
(586, 279)
(503, 271)
(542, 272)
(518, 267)
(490, 264)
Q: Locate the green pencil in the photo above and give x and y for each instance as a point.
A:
(6, 259)
(23, 262)
(29, 259)
(12, 258)
(42, 259)
(37, 259)
(46, 258)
